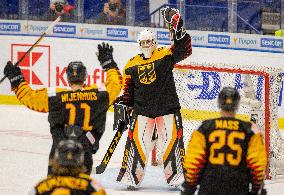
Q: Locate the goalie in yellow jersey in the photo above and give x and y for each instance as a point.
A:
(149, 89)
(226, 155)
(68, 173)
(77, 113)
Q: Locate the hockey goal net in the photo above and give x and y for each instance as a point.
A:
(198, 87)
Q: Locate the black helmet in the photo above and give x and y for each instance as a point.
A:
(69, 153)
(76, 72)
(228, 99)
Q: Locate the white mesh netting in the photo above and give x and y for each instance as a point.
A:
(198, 87)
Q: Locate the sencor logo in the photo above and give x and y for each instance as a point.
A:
(11, 27)
(271, 43)
(117, 32)
(64, 29)
(163, 36)
(219, 39)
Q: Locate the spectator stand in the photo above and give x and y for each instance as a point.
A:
(9, 9)
(213, 16)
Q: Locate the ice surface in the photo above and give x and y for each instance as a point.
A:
(25, 142)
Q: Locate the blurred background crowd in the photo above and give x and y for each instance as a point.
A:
(237, 16)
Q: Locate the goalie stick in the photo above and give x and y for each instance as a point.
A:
(101, 168)
(36, 43)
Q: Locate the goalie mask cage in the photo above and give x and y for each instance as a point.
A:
(198, 87)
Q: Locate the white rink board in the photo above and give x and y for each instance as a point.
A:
(25, 143)
(53, 54)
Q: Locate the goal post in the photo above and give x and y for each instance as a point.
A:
(198, 86)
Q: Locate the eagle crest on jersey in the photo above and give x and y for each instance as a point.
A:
(147, 74)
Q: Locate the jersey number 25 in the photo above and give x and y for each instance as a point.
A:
(219, 139)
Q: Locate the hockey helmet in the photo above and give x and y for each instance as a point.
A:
(76, 72)
(69, 153)
(149, 37)
(228, 99)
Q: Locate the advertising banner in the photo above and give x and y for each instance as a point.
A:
(46, 65)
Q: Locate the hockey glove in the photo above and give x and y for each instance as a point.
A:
(186, 189)
(14, 74)
(174, 22)
(105, 56)
(121, 116)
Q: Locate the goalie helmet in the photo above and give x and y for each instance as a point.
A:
(150, 37)
(76, 72)
(69, 153)
(228, 99)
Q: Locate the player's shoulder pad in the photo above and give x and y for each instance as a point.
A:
(94, 86)
(85, 176)
(164, 50)
(52, 91)
(132, 62)
(205, 125)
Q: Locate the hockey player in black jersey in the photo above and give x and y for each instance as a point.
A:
(68, 173)
(79, 111)
(225, 155)
(149, 89)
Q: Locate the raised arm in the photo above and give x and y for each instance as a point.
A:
(36, 100)
(181, 48)
(114, 79)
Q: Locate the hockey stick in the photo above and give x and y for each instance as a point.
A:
(101, 168)
(36, 43)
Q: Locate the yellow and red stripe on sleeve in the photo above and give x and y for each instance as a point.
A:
(195, 158)
(256, 160)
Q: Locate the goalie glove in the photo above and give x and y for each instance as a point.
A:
(105, 56)
(174, 22)
(121, 116)
(14, 74)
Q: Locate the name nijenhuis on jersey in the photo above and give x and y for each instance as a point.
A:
(77, 96)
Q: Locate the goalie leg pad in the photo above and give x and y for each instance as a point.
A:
(138, 146)
(170, 144)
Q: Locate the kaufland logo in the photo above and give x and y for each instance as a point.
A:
(272, 43)
(117, 32)
(65, 29)
(219, 39)
(163, 36)
(36, 65)
(10, 27)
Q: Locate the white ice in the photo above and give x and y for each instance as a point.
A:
(25, 143)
